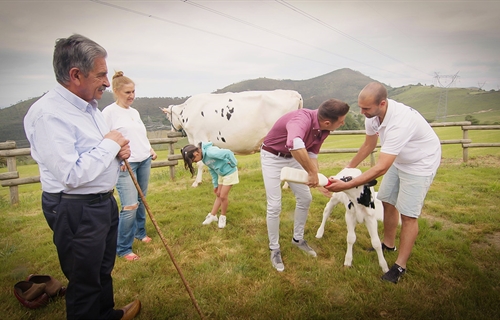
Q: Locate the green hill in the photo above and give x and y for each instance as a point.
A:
(11, 122)
(343, 84)
(482, 105)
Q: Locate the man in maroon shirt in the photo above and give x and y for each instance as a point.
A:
(294, 141)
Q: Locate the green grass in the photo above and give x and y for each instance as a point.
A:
(453, 273)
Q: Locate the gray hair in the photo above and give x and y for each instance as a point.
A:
(75, 51)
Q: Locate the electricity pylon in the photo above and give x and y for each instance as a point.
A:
(441, 112)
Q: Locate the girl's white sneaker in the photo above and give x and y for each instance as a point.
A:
(222, 221)
(209, 219)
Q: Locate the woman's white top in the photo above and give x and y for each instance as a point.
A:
(128, 122)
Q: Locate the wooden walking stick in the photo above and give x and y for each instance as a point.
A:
(143, 198)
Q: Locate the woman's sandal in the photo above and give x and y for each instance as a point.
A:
(31, 295)
(53, 287)
(146, 239)
(131, 257)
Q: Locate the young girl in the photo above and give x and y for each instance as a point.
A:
(224, 171)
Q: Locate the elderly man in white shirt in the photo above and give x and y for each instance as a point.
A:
(79, 161)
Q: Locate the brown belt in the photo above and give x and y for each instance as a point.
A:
(279, 154)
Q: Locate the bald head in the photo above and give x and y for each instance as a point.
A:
(373, 93)
(372, 100)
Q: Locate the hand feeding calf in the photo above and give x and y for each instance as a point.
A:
(361, 205)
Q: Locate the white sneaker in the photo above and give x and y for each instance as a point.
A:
(222, 221)
(209, 219)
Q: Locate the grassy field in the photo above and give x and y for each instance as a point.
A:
(453, 273)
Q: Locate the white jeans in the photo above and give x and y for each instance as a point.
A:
(271, 169)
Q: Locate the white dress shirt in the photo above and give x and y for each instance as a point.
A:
(66, 135)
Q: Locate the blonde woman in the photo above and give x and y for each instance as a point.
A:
(122, 117)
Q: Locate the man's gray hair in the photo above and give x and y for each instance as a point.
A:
(75, 51)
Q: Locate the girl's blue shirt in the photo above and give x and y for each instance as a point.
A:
(220, 162)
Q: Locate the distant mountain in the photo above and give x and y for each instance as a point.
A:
(11, 122)
(343, 84)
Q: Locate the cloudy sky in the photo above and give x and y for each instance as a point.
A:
(178, 48)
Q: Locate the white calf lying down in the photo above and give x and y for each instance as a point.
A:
(361, 205)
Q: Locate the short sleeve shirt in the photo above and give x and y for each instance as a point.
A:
(301, 123)
(406, 134)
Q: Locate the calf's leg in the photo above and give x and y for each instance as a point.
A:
(199, 175)
(326, 213)
(371, 225)
(350, 220)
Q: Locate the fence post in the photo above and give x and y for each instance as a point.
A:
(172, 168)
(465, 149)
(12, 169)
(174, 135)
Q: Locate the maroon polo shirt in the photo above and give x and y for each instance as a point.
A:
(301, 123)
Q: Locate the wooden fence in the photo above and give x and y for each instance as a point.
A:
(11, 178)
(469, 144)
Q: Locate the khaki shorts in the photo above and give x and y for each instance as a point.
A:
(404, 191)
(229, 179)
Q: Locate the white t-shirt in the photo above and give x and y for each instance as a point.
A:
(405, 133)
(128, 122)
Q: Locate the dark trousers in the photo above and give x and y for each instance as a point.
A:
(85, 236)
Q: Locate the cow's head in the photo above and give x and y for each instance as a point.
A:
(173, 117)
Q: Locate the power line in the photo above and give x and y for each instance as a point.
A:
(234, 39)
(279, 34)
(307, 15)
(205, 31)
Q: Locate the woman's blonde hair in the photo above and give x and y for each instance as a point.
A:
(119, 80)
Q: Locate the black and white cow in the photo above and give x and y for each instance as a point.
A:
(235, 121)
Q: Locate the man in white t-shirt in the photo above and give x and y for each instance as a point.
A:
(409, 158)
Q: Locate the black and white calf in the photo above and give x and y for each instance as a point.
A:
(361, 206)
